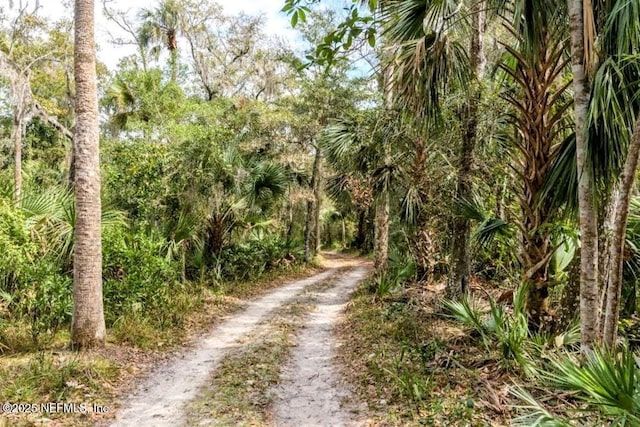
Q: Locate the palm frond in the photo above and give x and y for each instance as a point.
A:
(410, 205)
(267, 184)
(467, 312)
(489, 229)
(561, 181)
(605, 381)
(535, 414)
(426, 56)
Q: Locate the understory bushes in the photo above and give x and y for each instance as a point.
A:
(256, 256)
(144, 286)
(135, 273)
(31, 288)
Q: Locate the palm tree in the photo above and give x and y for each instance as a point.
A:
(121, 98)
(160, 27)
(359, 150)
(537, 84)
(134, 99)
(88, 325)
(606, 107)
(429, 59)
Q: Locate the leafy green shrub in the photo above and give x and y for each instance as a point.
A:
(401, 269)
(32, 288)
(48, 300)
(137, 274)
(508, 329)
(256, 256)
(383, 284)
(16, 247)
(137, 177)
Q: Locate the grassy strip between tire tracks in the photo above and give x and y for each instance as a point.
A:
(241, 391)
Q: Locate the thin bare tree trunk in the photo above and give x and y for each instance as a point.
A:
(17, 144)
(21, 97)
(307, 231)
(589, 301)
(173, 64)
(381, 233)
(311, 242)
(381, 219)
(461, 268)
(290, 220)
(317, 195)
(614, 284)
(88, 326)
(24, 108)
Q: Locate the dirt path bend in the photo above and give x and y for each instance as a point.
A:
(310, 394)
(159, 400)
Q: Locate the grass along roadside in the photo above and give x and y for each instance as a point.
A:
(412, 366)
(55, 374)
(241, 390)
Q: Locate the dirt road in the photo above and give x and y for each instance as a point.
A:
(309, 394)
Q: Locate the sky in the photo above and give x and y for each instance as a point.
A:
(276, 23)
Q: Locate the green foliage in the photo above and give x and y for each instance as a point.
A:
(498, 328)
(15, 245)
(137, 275)
(136, 175)
(51, 218)
(257, 255)
(402, 269)
(32, 288)
(45, 303)
(493, 237)
(606, 385)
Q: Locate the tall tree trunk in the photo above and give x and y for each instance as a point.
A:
(308, 225)
(616, 249)
(461, 269)
(381, 233)
(421, 241)
(538, 98)
(360, 238)
(289, 221)
(343, 234)
(381, 220)
(173, 61)
(17, 132)
(311, 242)
(317, 196)
(589, 307)
(88, 326)
(21, 97)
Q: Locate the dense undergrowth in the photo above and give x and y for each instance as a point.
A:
(142, 286)
(172, 264)
(417, 359)
(49, 372)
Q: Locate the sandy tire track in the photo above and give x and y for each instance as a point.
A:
(160, 399)
(310, 393)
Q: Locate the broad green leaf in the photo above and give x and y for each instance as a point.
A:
(371, 38)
